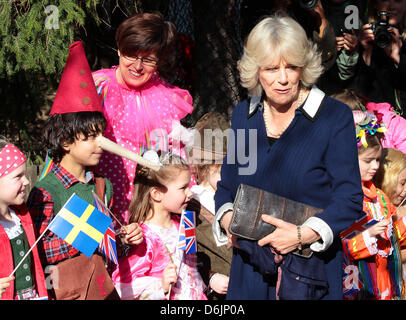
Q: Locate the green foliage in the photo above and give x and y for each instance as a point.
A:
(35, 33)
(34, 40)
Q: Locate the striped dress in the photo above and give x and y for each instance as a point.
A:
(376, 259)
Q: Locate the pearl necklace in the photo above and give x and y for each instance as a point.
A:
(267, 116)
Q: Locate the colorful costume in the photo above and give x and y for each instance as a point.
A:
(137, 120)
(138, 275)
(21, 225)
(395, 137)
(376, 259)
(77, 276)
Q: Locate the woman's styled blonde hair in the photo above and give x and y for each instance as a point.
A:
(386, 178)
(278, 36)
(146, 178)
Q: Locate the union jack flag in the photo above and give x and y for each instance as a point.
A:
(358, 226)
(108, 245)
(187, 232)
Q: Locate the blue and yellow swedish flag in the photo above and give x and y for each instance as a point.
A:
(80, 224)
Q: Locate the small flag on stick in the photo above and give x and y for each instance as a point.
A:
(187, 232)
(358, 226)
(80, 224)
(108, 245)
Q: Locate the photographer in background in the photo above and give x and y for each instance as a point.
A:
(346, 24)
(382, 66)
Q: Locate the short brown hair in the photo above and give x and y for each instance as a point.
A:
(67, 127)
(372, 141)
(149, 33)
(352, 99)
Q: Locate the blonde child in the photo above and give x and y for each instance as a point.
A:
(391, 178)
(155, 269)
(375, 251)
(16, 231)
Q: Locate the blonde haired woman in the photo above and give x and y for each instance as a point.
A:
(302, 147)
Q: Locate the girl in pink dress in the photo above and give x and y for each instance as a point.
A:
(155, 269)
(140, 107)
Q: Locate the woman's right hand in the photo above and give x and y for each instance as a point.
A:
(378, 228)
(393, 50)
(367, 38)
(169, 276)
(4, 284)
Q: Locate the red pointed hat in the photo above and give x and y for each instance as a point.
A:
(76, 91)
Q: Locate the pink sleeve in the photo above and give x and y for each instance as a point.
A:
(138, 275)
(397, 128)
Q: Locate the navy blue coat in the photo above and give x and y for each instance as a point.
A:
(315, 161)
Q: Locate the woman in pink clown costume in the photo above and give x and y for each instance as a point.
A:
(156, 269)
(140, 107)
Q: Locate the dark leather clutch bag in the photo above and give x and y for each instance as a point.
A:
(250, 203)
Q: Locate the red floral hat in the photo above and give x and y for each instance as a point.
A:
(76, 91)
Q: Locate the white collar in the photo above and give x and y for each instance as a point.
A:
(310, 108)
(12, 228)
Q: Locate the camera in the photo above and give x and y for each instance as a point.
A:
(342, 31)
(383, 37)
(308, 4)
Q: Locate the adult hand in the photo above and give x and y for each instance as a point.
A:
(285, 237)
(339, 43)
(366, 38)
(219, 283)
(4, 284)
(393, 50)
(350, 41)
(131, 234)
